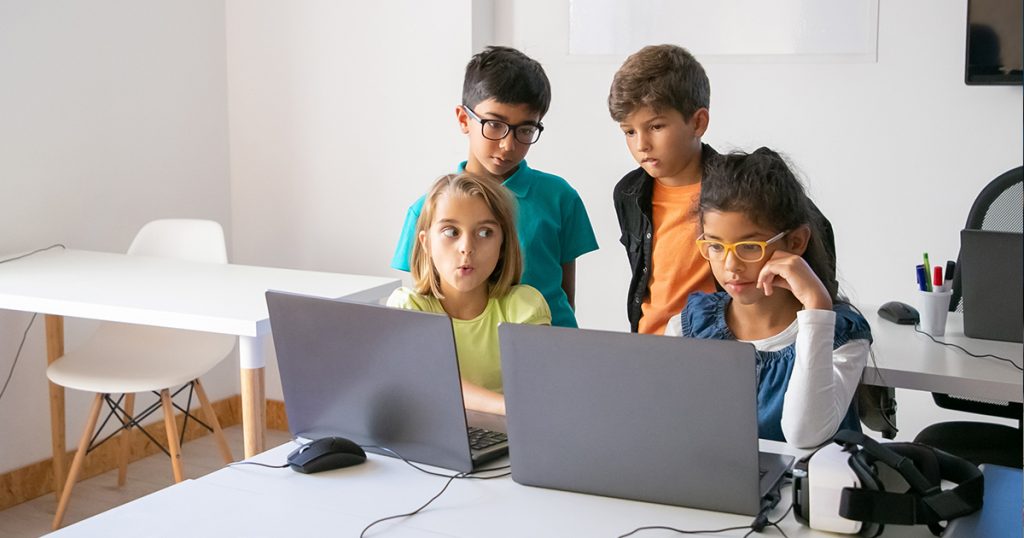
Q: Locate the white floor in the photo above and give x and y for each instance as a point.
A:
(100, 493)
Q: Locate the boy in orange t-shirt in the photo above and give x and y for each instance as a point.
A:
(660, 98)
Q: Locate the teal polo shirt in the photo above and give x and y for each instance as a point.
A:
(553, 227)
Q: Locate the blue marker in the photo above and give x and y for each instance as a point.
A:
(922, 278)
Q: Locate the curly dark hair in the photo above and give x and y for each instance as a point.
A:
(761, 186)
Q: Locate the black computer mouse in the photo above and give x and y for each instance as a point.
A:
(326, 454)
(898, 312)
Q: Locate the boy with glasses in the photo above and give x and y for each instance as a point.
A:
(505, 95)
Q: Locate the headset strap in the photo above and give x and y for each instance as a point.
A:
(907, 509)
(930, 506)
(904, 465)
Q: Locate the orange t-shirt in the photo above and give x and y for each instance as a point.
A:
(677, 268)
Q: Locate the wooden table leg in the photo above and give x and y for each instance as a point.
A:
(253, 409)
(254, 402)
(54, 351)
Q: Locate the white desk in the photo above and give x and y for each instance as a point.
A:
(257, 501)
(218, 298)
(910, 360)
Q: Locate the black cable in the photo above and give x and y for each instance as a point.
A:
(768, 502)
(760, 523)
(442, 475)
(414, 512)
(234, 463)
(38, 250)
(997, 357)
(716, 531)
(451, 478)
(17, 355)
(883, 412)
(681, 531)
(774, 524)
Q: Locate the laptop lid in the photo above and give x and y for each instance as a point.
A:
(376, 375)
(992, 283)
(649, 418)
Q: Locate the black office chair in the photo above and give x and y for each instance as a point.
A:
(1000, 206)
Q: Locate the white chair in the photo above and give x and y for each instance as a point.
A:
(127, 359)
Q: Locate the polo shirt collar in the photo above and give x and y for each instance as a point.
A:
(518, 182)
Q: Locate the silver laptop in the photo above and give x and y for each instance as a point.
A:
(649, 418)
(382, 377)
(991, 279)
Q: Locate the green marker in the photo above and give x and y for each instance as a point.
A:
(927, 272)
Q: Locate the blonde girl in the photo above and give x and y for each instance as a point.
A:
(467, 263)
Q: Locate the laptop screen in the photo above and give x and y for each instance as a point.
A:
(992, 283)
(376, 375)
(650, 418)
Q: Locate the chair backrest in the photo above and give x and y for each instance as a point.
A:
(999, 207)
(184, 239)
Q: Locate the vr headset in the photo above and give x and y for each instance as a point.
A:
(857, 485)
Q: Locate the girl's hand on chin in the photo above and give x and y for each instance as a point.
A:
(788, 271)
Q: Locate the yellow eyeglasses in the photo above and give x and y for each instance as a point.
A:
(748, 251)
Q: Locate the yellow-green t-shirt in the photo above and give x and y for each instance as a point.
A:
(476, 340)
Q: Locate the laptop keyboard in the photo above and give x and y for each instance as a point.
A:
(480, 438)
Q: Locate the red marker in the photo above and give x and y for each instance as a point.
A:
(937, 277)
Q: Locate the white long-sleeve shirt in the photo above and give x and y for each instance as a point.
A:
(823, 380)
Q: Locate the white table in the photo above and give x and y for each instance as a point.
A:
(217, 298)
(257, 501)
(910, 360)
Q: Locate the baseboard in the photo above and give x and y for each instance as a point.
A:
(277, 419)
(36, 479)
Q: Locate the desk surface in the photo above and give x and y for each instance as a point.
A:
(257, 501)
(219, 298)
(910, 360)
(164, 292)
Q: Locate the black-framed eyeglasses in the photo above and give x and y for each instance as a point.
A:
(524, 133)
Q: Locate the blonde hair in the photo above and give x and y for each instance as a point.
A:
(502, 204)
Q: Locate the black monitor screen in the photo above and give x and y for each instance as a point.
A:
(994, 41)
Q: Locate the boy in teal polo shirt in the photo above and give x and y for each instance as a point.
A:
(505, 95)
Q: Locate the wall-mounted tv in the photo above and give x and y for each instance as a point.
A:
(994, 42)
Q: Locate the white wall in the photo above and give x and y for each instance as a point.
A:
(340, 116)
(113, 114)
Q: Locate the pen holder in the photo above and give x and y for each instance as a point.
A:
(934, 307)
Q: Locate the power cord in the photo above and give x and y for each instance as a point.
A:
(884, 412)
(451, 478)
(752, 528)
(917, 328)
(17, 355)
(234, 463)
(761, 522)
(474, 475)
